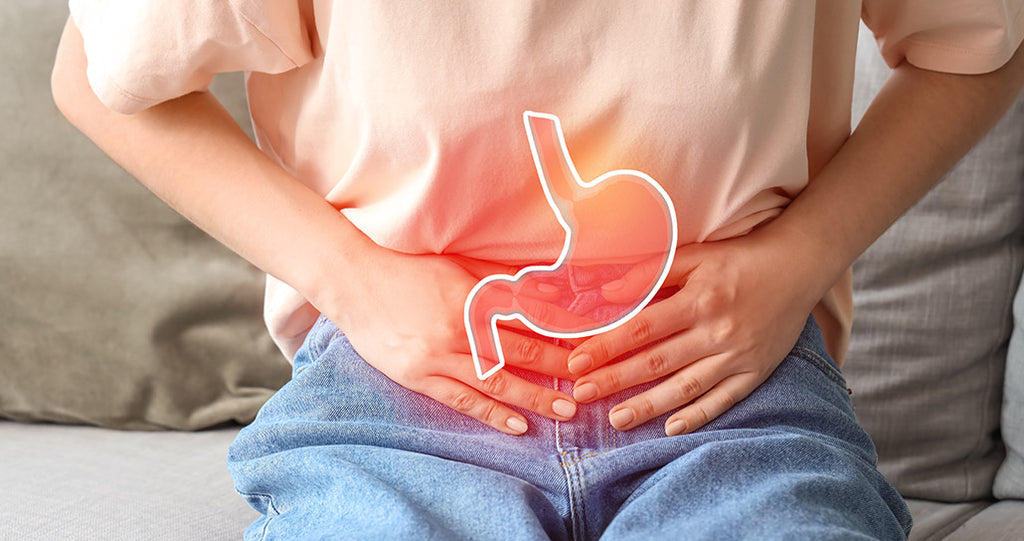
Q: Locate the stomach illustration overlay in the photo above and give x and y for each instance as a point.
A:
(619, 226)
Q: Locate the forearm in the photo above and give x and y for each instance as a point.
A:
(918, 126)
(190, 152)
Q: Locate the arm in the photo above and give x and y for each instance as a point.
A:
(732, 323)
(918, 127)
(191, 153)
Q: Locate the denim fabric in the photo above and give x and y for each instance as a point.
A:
(342, 452)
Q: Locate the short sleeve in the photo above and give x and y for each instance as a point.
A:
(143, 52)
(954, 36)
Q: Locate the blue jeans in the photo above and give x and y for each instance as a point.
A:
(342, 452)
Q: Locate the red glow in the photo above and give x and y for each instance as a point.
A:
(619, 227)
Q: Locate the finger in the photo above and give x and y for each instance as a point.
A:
(471, 402)
(516, 391)
(480, 268)
(540, 290)
(653, 323)
(676, 391)
(574, 342)
(635, 284)
(546, 316)
(516, 325)
(685, 260)
(534, 354)
(712, 404)
(647, 365)
(550, 318)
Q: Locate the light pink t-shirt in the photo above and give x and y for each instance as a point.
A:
(408, 115)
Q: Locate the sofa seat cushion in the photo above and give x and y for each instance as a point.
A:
(79, 482)
(1003, 521)
(936, 520)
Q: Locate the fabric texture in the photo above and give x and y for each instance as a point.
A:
(1002, 521)
(936, 520)
(958, 36)
(85, 483)
(1009, 482)
(932, 302)
(379, 107)
(140, 54)
(791, 455)
(115, 310)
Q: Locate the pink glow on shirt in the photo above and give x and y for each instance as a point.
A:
(620, 226)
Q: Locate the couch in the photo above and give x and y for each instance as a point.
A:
(132, 347)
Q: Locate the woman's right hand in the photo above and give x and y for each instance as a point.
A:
(405, 318)
(402, 313)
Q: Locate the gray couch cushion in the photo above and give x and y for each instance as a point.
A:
(76, 482)
(1003, 521)
(115, 310)
(932, 317)
(936, 520)
(1010, 478)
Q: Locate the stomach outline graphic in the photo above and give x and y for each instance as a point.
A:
(620, 225)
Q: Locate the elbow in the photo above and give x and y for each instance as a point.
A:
(61, 89)
(69, 85)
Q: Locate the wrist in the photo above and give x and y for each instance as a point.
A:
(805, 255)
(337, 273)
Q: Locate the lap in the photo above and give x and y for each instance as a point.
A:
(342, 443)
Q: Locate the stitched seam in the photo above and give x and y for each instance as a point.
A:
(821, 364)
(141, 100)
(615, 436)
(1016, 20)
(266, 526)
(270, 504)
(319, 347)
(573, 492)
(577, 507)
(337, 334)
(579, 458)
(268, 38)
(567, 473)
(955, 48)
(270, 499)
(578, 474)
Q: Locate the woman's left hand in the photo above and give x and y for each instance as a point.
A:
(739, 310)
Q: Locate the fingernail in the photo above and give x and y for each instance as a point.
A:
(564, 408)
(675, 428)
(614, 285)
(516, 424)
(547, 288)
(621, 418)
(580, 363)
(585, 392)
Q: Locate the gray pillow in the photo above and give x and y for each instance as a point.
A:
(932, 317)
(1010, 478)
(115, 310)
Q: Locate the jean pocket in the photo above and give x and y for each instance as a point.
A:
(823, 363)
(262, 503)
(318, 338)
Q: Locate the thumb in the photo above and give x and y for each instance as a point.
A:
(686, 259)
(639, 280)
